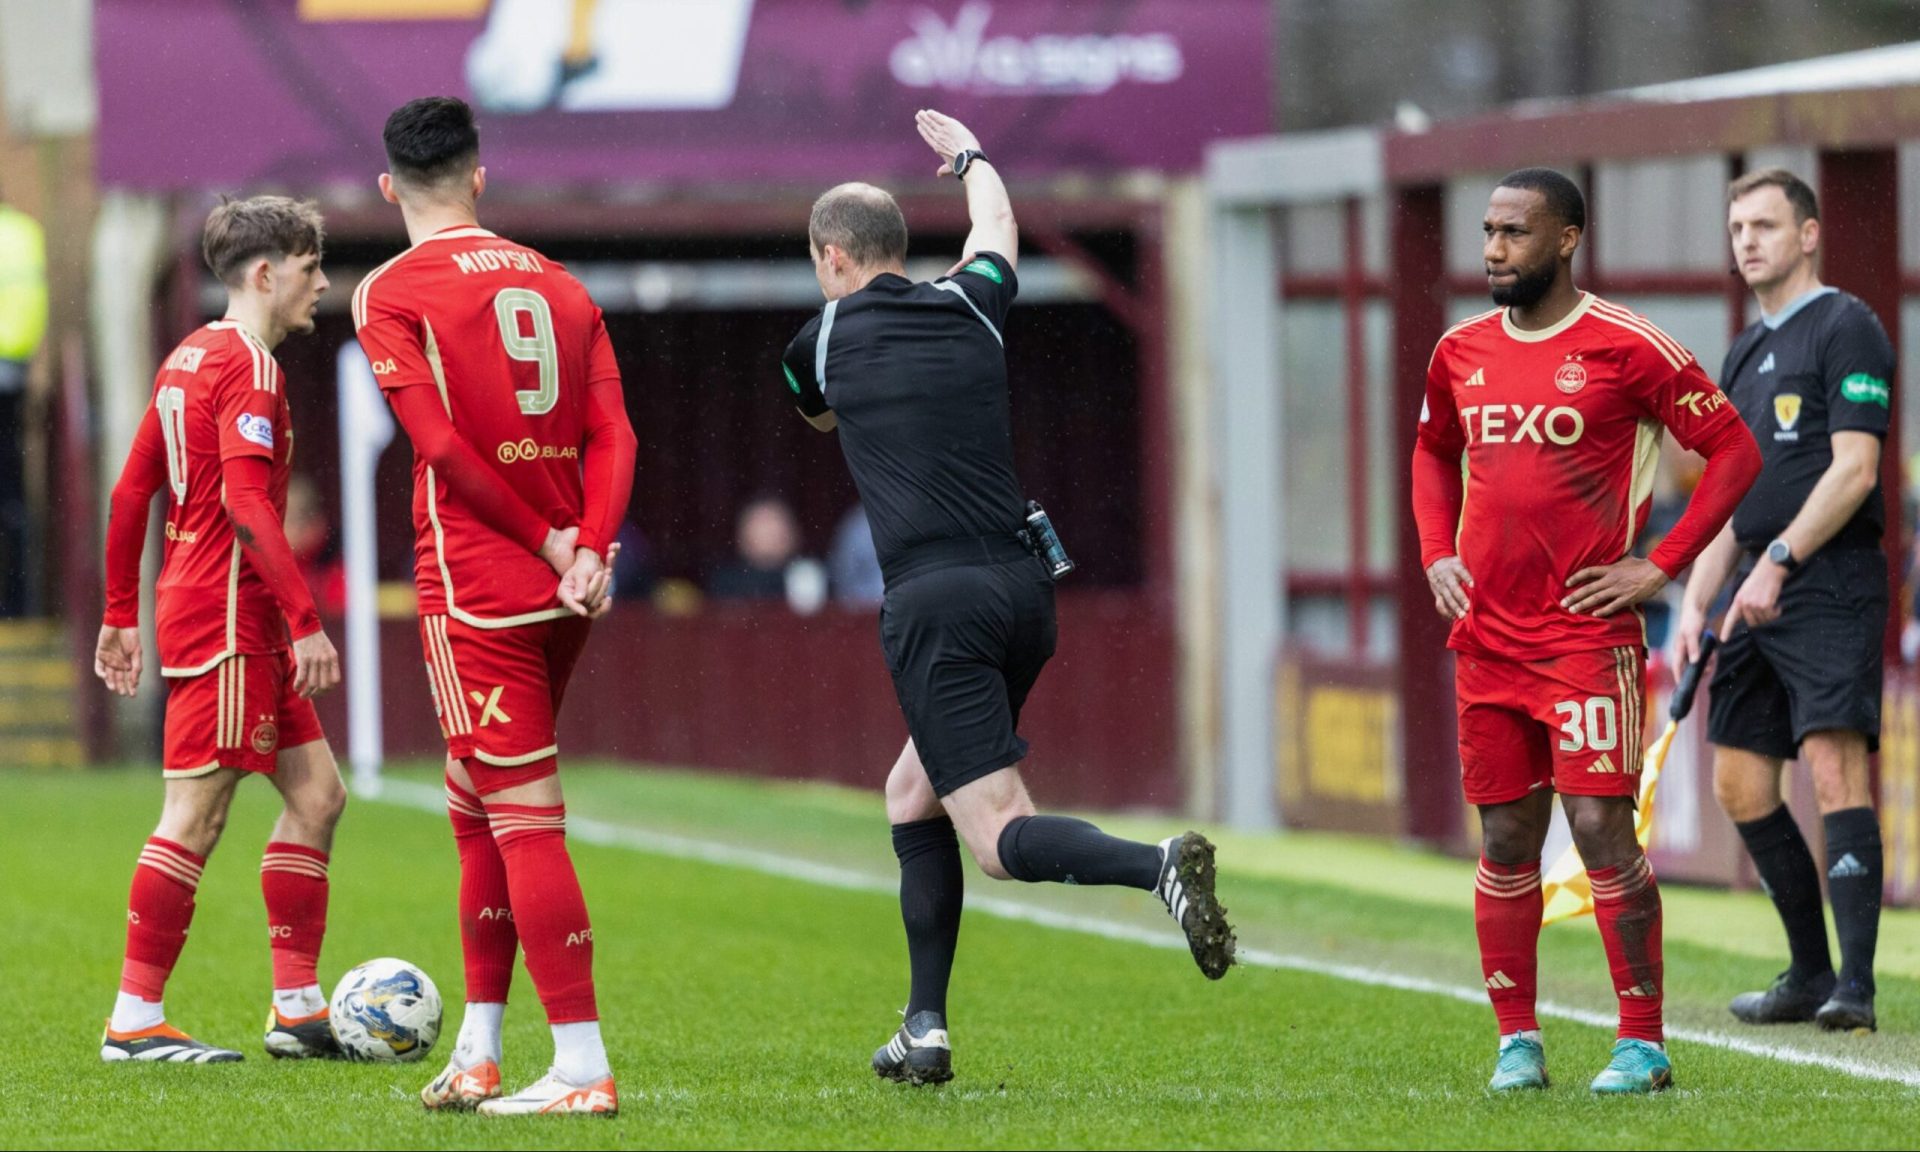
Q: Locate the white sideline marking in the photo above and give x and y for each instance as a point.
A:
(588, 830)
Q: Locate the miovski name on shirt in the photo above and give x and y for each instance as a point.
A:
(497, 260)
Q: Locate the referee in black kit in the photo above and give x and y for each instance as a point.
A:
(1802, 677)
(914, 376)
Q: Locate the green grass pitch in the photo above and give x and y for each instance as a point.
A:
(740, 1006)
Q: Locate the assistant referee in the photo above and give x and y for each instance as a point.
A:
(1800, 674)
(914, 377)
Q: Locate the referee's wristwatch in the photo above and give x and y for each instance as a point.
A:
(964, 160)
(1781, 553)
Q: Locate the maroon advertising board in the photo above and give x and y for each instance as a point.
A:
(231, 93)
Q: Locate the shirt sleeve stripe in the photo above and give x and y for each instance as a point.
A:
(361, 292)
(1670, 358)
(1670, 348)
(1470, 322)
(820, 346)
(950, 286)
(1652, 329)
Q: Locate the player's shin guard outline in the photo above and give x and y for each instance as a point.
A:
(1626, 902)
(550, 912)
(159, 911)
(1506, 915)
(488, 938)
(293, 883)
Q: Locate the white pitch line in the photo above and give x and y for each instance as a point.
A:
(604, 833)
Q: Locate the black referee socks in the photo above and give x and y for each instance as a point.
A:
(932, 891)
(1063, 850)
(1854, 864)
(1786, 868)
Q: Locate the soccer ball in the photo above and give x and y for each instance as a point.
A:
(385, 1011)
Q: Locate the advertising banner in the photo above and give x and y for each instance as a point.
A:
(231, 93)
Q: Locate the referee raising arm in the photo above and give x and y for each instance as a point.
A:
(914, 377)
(1800, 673)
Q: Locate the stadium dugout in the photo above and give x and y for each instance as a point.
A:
(1342, 256)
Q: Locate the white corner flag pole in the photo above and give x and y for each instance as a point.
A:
(366, 428)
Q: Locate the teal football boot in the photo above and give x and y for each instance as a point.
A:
(1523, 1064)
(1637, 1067)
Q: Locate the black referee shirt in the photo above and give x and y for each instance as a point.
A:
(1827, 368)
(916, 376)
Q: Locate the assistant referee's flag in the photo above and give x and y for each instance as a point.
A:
(1567, 891)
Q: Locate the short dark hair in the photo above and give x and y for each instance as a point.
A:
(1806, 206)
(238, 232)
(431, 139)
(1562, 195)
(862, 220)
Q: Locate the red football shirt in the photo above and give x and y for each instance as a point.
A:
(1559, 433)
(515, 349)
(217, 396)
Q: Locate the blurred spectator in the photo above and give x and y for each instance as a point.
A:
(311, 539)
(633, 573)
(23, 323)
(767, 536)
(853, 567)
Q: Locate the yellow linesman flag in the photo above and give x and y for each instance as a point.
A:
(23, 285)
(1566, 889)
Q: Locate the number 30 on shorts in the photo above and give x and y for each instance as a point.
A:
(1593, 723)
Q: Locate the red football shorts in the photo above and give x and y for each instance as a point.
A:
(1572, 723)
(497, 691)
(239, 714)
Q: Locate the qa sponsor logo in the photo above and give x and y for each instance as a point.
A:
(961, 57)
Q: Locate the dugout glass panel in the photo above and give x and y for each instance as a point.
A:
(1659, 216)
(1313, 350)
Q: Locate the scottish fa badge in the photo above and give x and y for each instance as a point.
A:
(1786, 410)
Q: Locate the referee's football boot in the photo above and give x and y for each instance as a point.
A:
(302, 1037)
(1186, 888)
(1637, 1069)
(162, 1044)
(1793, 999)
(918, 1053)
(1849, 1009)
(1523, 1064)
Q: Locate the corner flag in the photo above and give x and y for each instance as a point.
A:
(1566, 889)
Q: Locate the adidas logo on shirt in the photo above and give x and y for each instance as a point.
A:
(1767, 364)
(1477, 380)
(1847, 865)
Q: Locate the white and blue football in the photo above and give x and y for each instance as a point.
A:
(386, 1011)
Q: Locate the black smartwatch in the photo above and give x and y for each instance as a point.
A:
(1781, 553)
(964, 160)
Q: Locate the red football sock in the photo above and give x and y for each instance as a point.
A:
(548, 908)
(293, 878)
(488, 939)
(1506, 913)
(159, 909)
(1626, 902)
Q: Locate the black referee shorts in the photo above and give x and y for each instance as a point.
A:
(965, 645)
(1817, 668)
